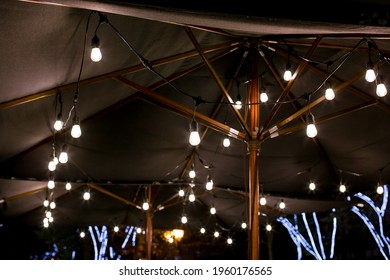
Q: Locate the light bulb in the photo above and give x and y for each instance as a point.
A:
(329, 94)
(238, 104)
(282, 205)
(50, 184)
(76, 129)
(194, 135)
(116, 228)
(370, 74)
(226, 142)
(192, 173)
(379, 190)
(87, 195)
(191, 197)
(181, 193)
(243, 225)
(96, 54)
(287, 75)
(268, 227)
(51, 166)
(46, 203)
(263, 97)
(263, 201)
(52, 205)
(145, 206)
(51, 219)
(202, 230)
(342, 188)
(68, 186)
(311, 130)
(381, 90)
(213, 211)
(63, 157)
(58, 125)
(48, 214)
(216, 234)
(139, 230)
(209, 184)
(184, 220)
(82, 234)
(312, 186)
(229, 241)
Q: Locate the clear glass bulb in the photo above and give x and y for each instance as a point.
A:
(145, 206)
(226, 142)
(192, 174)
(63, 158)
(76, 131)
(263, 97)
(213, 211)
(287, 75)
(50, 184)
(329, 94)
(268, 227)
(52, 205)
(46, 203)
(202, 230)
(370, 75)
(96, 54)
(263, 201)
(216, 234)
(87, 195)
(243, 225)
(68, 186)
(379, 190)
(82, 234)
(191, 197)
(312, 186)
(209, 185)
(282, 205)
(381, 90)
(181, 193)
(238, 104)
(58, 125)
(229, 241)
(51, 166)
(194, 138)
(184, 220)
(342, 188)
(311, 130)
(116, 228)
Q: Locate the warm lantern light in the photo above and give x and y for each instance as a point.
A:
(181, 193)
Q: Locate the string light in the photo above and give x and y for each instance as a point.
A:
(263, 96)
(229, 241)
(63, 158)
(311, 130)
(194, 134)
(68, 186)
(181, 193)
(226, 142)
(191, 197)
(263, 201)
(209, 184)
(145, 206)
(282, 204)
(243, 225)
(381, 89)
(202, 230)
(268, 227)
(76, 129)
(58, 124)
(184, 219)
(342, 188)
(312, 186)
(379, 189)
(86, 195)
(213, 211)
(329, 93)
(96, 54)
(216, 234)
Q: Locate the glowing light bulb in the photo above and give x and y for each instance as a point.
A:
(46, 203)
(63, 158)
(263, 201)
(51, 184)
(82, 234)
(52, 166)
(58, 125)
(181, 193)
(312, 186)
(116, 228)
(263, 97)
(184, 220)
(370, 74)
(68, 186)
(76, 129)
(216, 234)
(139, 230)
(243, 225)
(194, 135)
(226, 142)
(287, 75)
(329, 94)
(96, 54)
(229, 241)
(268, 227)
(192, 173)
(209, 184)
(311, 130)
(202, 230)
(191, 197)
(52, 205)
(282, 205)
(48, 214)
(379, 190)
(145, 206)
(213, 211)
(342, 188)
(381, 90)
(87, 195)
